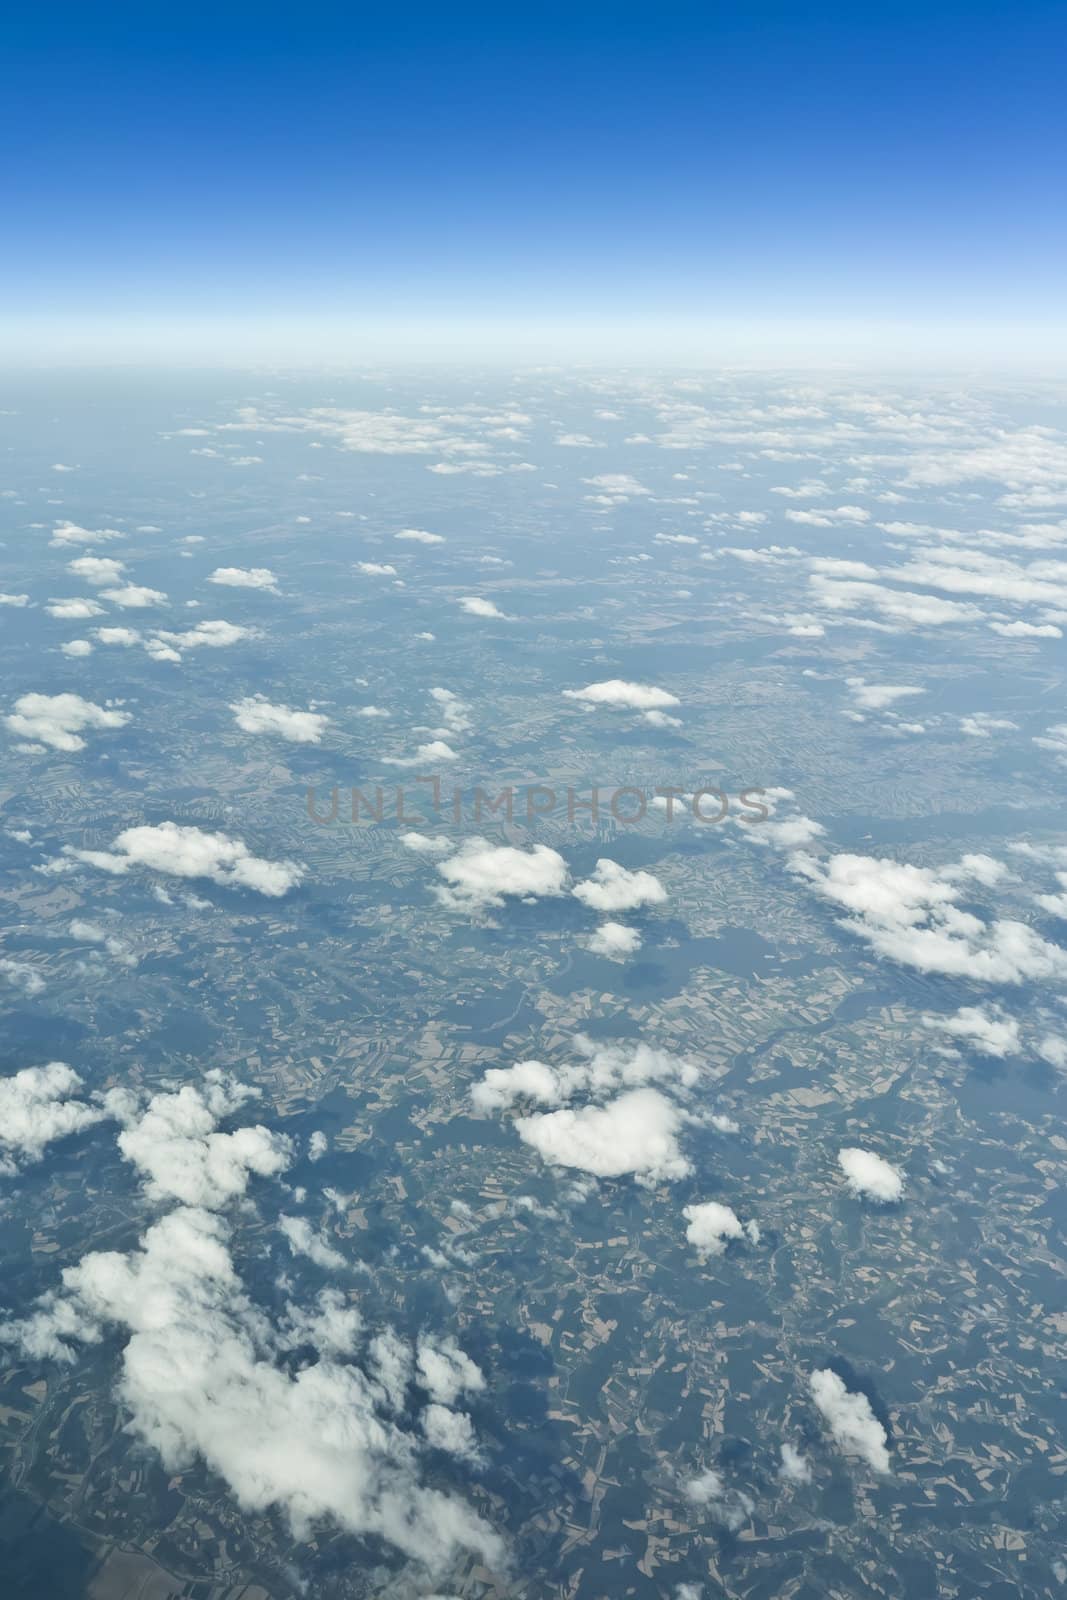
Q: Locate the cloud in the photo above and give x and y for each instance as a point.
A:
(853, 1424)
(980, 725)
(215, 635)
(877, 696)
(418, 536)
(304, 1241)
(475, 606)
(69, 533)
(175, 1145)
(255, 714)
(450, 1431)
(76, 648)
(376, 569)
(633, 1133)
(795, 1468)
(617, 692)
(711, 1227)
(910, 915)
(120, 636)
(615, 888)
(97, 570)
(245, 578)
(74, 610)
(425, 755)
(134, 596)
(188, 852)
(24, 977)
(480, 875)
(17, 600)
(37, 1106)
(445, 1371)
(731, 1507)
(992, 1032)
(615, 939)
(59, 720)
(869, 1177)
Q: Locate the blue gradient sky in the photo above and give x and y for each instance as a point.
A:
(767, 163)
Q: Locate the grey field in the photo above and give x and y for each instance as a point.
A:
(533, 986)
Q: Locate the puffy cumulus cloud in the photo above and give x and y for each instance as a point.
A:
(707, 1491)
(991, 1032)
(418, 536)
(176, 1147)
(474, 605)
(434, 750)
(205, 1376)
(213, 635)
(425, 844)
(14, 600)
(635, 1135)
(245, 578)
(980, 725)
(795, 1467)
(614, 488)
(878, 696)
(633, 1132)
(909, 914)
(376, 569)
(37, 1106)
(318, 1144)
(711, 1227)
(869, 1177)
(188, 852)
(901, 608)
(629, 696)
(480, 875)
(120, 636)
(255, 714)
(852, 1423)
(134, 596)
(615, 888)
(454, 711)
(1027, 630)
(59, 720)
(69, 533)
(93, 933)
(74, 610)
(445, 1371)
(450, 1431)
(303, 1240)
(97, 570)
(615, 940)
(76, 648)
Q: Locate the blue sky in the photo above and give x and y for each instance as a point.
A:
(766, 163)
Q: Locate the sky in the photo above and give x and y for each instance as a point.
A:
(258, 180)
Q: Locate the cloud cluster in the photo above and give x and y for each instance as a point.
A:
(711, 1227)
(59, 720)
(255, 714)
(991, 1032)
(616, 692)
(480, 875)
(37, 1106)
(849, 1417)
(625, 1126)
(869, 1176)
(188, 852)
(245, 578)
(910, 914)
(615, 888)
(615, 940)
(206, 1375)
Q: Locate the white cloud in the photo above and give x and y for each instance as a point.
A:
(614, 888)
(869, 1176)
(795, 1468)
(992, 1032)
(711, 1227)
(59, 720)
(69, 533)
(980, 725)
(851, 1421)
(134, 596)
(120, 636)
(38, 1106)
(215, 635)
(480, 875)
(22, 976)
(304, 1241)
(376, 569)
(97, 570)
(76, 648)
(318, 1145)
(910, 915)
(255, 714)
(634, 1134)
(877, 696)
(475, 606)
(418, 536)
(615, 939)
(74, 610)
(175, 1145)
(245, 578)
(426, 845)
(18, 600)
(617, 692)
(188, 852)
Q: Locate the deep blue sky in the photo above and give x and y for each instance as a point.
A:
(877, 162)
